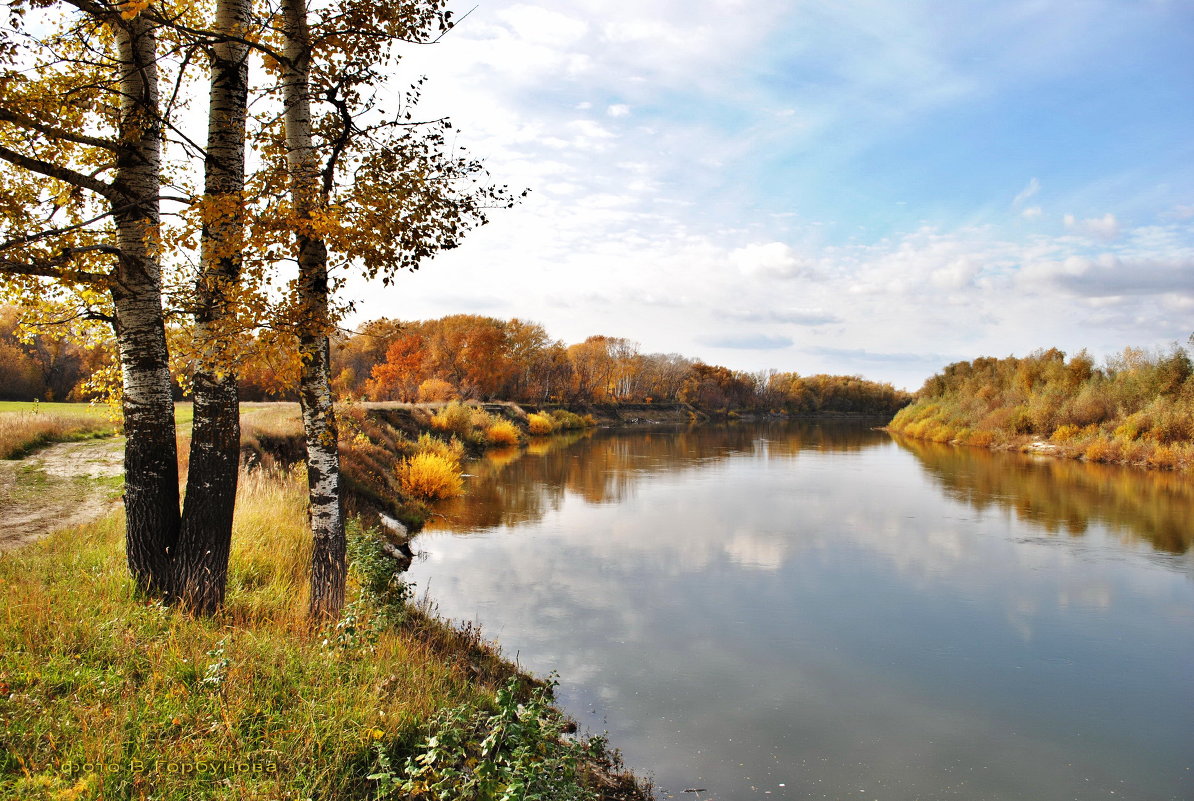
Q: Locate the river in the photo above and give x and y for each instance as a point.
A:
(819, 611)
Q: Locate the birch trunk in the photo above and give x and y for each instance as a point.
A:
(200, 565)
(150, 454)
(328, 566)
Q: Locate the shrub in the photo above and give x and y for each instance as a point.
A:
(568, 421)
(502, 432)
(981, 439)
(430, 477)
(452, 450)
(1102, 450)
(436, 389)
(1065, 433)
(539, 423)
(455, 418)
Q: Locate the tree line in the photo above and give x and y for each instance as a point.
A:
(115, 210)
(471, 356)
(460, 356)
(1137, 407)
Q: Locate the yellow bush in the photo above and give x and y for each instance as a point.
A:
(1164, 456)
(502, 432)
(980, 439)
(452, 450)
(429, 477)
(539, 423)
(942, 433)
(436, 389)
(1065, 433)
(455, 418)
(1102, 450)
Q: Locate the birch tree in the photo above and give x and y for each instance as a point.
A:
(370, 191)
(81, 143)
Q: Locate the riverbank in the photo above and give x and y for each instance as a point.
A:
(1120, 445)
(1137, 411)
(105, 695)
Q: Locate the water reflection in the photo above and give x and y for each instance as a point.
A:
(511, 486)
(1063, 495)
(802, 612)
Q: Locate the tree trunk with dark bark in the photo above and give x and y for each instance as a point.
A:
(200, 565)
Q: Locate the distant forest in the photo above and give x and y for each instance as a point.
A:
(462, 356)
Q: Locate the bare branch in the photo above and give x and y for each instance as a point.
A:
(52, 271)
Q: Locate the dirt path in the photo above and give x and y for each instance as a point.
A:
(58, 487)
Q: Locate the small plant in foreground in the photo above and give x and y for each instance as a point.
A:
(518, 751)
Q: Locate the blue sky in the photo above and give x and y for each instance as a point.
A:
(850, 187)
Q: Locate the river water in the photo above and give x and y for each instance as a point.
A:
(806, 611)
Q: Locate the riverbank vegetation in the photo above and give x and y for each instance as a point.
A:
(104, 694)
(1137, 409)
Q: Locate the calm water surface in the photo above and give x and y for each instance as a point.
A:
(817, 611)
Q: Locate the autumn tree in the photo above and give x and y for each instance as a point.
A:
(81, 133)
(377, 191)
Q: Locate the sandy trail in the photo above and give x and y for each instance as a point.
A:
(58, 487)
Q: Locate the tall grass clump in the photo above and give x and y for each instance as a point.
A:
(21, 433)
(455, 419)
(1136, 409)
(501, 433)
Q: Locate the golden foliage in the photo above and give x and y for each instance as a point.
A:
(430, 477)
(502, 432)
(455, 419)
(539, 423)
(436, 389)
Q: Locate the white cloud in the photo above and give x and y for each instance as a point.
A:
(1105, 228)
(772, 260)
(1031, 213)
(1028, 192)
(618, 110)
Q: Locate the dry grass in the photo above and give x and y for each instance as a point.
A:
(21, 433)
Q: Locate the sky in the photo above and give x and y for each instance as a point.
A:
(846, 186)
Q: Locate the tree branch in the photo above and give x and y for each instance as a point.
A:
(64, 174)
(8, 267)
(54, 131)
(66, 229)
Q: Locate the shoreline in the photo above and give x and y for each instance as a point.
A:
(1077, 452)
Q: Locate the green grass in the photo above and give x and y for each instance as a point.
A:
(105, 695)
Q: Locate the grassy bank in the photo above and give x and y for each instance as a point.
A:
(26, 427)
(103, 695)
(1137, 410)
